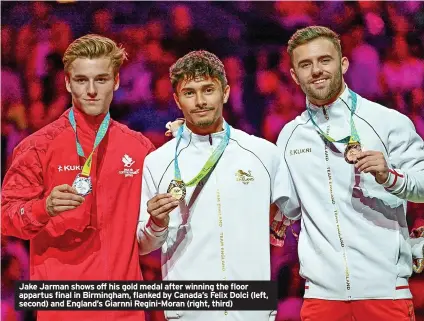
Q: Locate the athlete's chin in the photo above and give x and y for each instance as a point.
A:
(320, 94)
(94, 110)
(203, 121)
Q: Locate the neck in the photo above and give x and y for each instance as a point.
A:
(322, 103)
(217, 126)
(92, 121)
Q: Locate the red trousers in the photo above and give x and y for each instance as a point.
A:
(360, 310)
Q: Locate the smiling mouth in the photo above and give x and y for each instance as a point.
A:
(319, 81)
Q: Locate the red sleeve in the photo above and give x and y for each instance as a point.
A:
(23, 206)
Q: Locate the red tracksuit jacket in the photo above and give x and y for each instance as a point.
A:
(96, 241)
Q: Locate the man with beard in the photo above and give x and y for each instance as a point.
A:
(354, 249)
(206, 194)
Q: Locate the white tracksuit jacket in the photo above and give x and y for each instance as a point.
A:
(225, 234)
(354, 240)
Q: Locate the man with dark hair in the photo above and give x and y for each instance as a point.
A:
(206, 194)
(364, 163)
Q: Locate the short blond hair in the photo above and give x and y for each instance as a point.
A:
(94, 46)
(305, 35)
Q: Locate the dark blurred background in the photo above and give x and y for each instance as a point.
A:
(383, 41)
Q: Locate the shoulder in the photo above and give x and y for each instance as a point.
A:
(42, 140)
(134, 137)
(291, 127)
(161, 156)
(260, 148)
(376, 112)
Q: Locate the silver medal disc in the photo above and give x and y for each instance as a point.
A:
(82, 185)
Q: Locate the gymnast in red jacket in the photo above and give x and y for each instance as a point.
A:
(74, 186)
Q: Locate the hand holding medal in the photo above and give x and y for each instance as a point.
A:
(62, 198)
(159, 208)
(373, 162)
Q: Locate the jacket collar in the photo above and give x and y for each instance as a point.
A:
(202, 141)
(87, 123)
(339, 109)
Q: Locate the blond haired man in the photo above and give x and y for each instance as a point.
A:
(74, 187)
(366, 162)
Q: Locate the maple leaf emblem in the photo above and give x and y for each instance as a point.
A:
(128, 162)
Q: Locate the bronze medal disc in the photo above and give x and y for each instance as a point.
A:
(352, 152)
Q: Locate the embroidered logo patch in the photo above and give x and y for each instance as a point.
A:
(128, 162)
(245, 178)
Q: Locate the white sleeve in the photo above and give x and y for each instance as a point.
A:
(406, 161)
(149, 236)
(284, 192)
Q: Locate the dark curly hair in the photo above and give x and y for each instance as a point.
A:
(195, 64)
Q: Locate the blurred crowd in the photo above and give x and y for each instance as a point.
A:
(384, 42)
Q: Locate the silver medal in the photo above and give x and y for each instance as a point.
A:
(82, 185)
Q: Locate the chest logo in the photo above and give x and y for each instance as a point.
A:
(128, 171)
(67, 168)
(128, 162)
(300, 151)
(245, 178)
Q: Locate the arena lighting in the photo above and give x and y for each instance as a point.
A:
(65, 1)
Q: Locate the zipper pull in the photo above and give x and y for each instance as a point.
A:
(210, 139)
(325, 112)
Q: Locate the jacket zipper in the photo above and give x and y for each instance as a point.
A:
(325, 113)
(336, 211)
(220, 224)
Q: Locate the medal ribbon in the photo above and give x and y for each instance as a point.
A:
(354, 137)
(210, 163)
(99, 137)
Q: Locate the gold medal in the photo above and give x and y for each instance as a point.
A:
(352, 152)
(177, 189)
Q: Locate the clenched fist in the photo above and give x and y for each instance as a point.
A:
(62, 198)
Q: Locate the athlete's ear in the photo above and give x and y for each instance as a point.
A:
(294, 76)
(117, 82)
(68, 83)
(177, 101)
(226, 93)
(345, 64)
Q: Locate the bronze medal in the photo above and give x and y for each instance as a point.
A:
(177, 189)
(352, 152)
